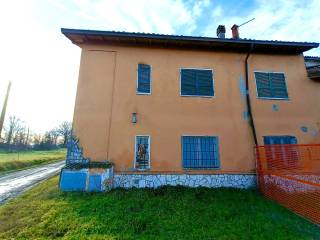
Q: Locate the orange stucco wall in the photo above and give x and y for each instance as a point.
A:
(106, 98)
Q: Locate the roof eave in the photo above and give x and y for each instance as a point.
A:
(79, 37)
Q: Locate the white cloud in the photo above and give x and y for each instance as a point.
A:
(43, 64)
(217, 11)
(277, 20)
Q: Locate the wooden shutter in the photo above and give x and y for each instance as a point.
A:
(196, 82)
(204, 83)
(263, 85)
(188, 82)
(144, 78)
(271, 85)
(278, 84)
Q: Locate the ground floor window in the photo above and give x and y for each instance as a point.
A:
(200, 152)
(281, 152)
(142, 152)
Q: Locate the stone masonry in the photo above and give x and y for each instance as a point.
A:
(188, 180)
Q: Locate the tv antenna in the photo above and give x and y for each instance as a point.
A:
(246, 22)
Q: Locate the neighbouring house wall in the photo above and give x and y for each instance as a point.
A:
(107, 97)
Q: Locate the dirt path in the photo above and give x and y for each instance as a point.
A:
(13, 184)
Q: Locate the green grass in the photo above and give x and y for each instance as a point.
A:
(166, 213)
(14, 161)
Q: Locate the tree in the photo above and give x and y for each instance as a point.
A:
(54, 134)
(14, 127)
(65, 129)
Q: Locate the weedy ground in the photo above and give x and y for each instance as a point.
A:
(45, 212)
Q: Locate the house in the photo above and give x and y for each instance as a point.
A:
(180, 110)
(313, 67)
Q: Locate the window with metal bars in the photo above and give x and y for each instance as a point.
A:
(196, 82)
(200, 152)
(142, 152)
(281, 151)
(271, 85)
(144, 79)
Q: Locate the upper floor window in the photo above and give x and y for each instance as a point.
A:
(144, 79)
(196, 82)
(200, 152)
(271, 85)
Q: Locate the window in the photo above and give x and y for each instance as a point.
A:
(200, 152)
(279, 140)
(142, 152)
(144, 79)
(271, 85)
(196, 82)
(280, 152)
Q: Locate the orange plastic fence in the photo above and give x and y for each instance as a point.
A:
(290, 175)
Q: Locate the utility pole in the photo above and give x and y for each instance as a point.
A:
(3, 112)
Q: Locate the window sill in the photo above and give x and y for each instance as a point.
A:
(201, 96)
(201, 169)
(140, 169)
(270, 98)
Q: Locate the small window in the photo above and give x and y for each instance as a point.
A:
(271, 85)
(196, 82)
(200, 152)
(144, 79)
(142, 152)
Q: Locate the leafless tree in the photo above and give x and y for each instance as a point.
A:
(14, 126)
(64, 129)
(55, 135)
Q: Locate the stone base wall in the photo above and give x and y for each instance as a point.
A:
(188, 180)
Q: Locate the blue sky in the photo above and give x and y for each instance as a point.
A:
(43, 64)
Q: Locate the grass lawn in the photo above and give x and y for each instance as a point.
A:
(15, 161)
(165, 213)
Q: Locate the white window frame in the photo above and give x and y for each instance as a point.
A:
(271, 98)
(204, 96)
(137, 81)
(135, 152)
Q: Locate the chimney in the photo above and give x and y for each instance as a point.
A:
(221, 31)
(235, 31)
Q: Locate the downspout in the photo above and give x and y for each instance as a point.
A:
(248, 97)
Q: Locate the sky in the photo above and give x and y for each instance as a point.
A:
(43, 65)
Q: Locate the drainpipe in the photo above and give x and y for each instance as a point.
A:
(248, 97)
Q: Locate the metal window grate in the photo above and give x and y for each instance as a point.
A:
(200, 152)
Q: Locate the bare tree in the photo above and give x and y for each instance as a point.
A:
(64, 130)
(13, 127)
(55, 134)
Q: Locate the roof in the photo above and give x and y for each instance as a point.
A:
(314, 72)
(312, 58)
(79, 37)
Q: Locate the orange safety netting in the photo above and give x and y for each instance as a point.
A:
(290, 175)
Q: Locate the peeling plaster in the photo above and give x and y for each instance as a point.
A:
(275, 107)
(304, 129)
(242, 87)
(314, 132)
